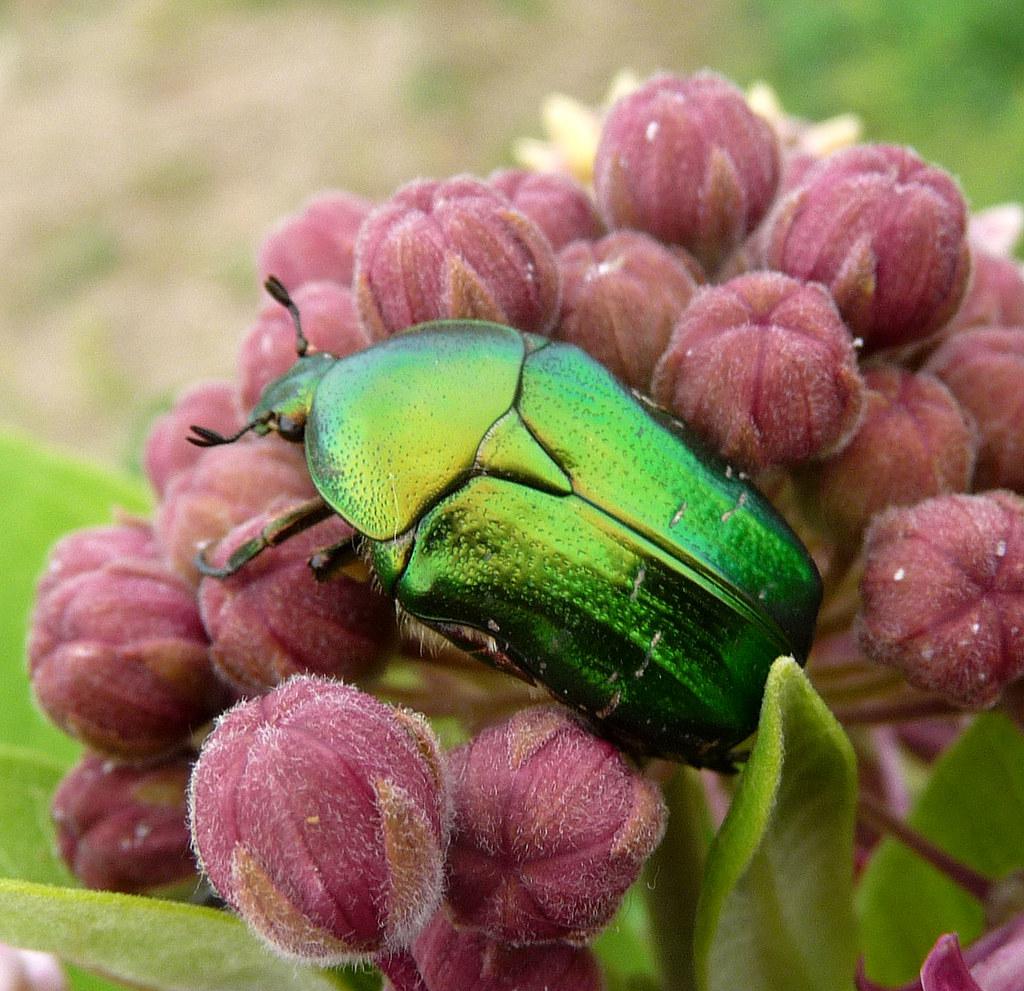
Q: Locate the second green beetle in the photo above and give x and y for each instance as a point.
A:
(515, 498)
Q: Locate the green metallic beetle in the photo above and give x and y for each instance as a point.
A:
(518, 500)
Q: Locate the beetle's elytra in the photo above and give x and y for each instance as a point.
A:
(517, 499)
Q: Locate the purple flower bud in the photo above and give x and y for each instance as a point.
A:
(227, 486)
(688, 161)
(914, 442)
(317, 243)
(984, 369)
(321, 815)
(273, 619)
(212, 404)
(551, 827)
(450, 958)
(557, 204)
(453, 248)
(886, 233)
(123, 828)
(995, 297)
(943, 595)
(764, 368)
(329, 321)
(621, 297)
(117, 653)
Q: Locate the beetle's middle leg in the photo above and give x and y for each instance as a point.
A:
(302, 517)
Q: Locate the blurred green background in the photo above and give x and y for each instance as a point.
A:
(147, 145)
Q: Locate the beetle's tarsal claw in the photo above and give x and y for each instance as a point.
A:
(205, 437)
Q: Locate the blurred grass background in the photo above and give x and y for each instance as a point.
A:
(147, 145)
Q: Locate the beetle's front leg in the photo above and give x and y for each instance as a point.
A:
(329, 561)
(302, 517)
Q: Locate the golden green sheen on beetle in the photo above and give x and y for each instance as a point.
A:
(521, 502)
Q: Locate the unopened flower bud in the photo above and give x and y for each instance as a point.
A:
(117, 653)
(452, 958)
(30, 970)
(212, 404)
(226, 486)
(557, 204)
(273, 619)
(886, 233)
(329, 321)
(764, 368)
(995, 297)
(984, 369)
(317, 243)
(914, 442)
(123, 828)
(688, 161)
(522, 874)
(943, 595)
(321, 815)
(453, 249)
(621, 297)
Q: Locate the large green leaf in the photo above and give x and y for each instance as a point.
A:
(972, 808)
(776, 908)
(43, 495)
(148, 943)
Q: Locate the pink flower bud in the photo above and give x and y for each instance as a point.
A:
(688, 161)
(273, 619)
(943, 595)
(913, 443)
(227, 486)
(212, 404)
(557, 204)
(453, 249)
(317, 243)
(984, 369)
(29, 970)
(551, 827)
(124, 828)
(329, 321)
(995, 297)
(117, 653)
(886, 233)
(621, 297)
(764, 368)
(450, 958)
(321, 815)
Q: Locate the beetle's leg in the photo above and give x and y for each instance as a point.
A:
(327, 562)
(302, 517)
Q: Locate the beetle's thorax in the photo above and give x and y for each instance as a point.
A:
(286, 401)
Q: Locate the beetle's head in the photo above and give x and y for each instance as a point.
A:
(284, 406)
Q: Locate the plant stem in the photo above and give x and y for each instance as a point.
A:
(673, 878)
(876, 815)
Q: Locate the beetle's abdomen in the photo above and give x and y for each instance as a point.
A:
(605, 619)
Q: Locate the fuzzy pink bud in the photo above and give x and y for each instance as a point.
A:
(886, 233)
(995, 297)
(317, 243)
(557, 204)
(272, 619)
(943, 595)
(551, 827)
(688, 161)
(764, 368)
(117, 653)
(453, 249)
(984, 369)
(329, 321)
(320, 814)
(451, 958)
(123, 828)
(621, 297)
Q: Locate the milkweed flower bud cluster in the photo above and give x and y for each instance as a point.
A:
(824, 314)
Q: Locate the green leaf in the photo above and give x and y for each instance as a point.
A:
(27, 844)
(624, 948)
(972, 809)
(43, 495)
(776, 908)
(150, 944)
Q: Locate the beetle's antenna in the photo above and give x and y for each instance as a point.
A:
(205, 437)
(276, 288)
